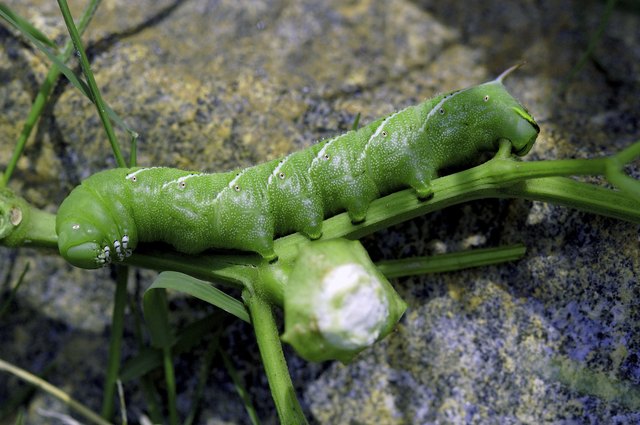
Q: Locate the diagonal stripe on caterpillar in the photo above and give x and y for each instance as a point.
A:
(104, 218)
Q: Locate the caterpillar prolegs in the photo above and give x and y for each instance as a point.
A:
(104, 218)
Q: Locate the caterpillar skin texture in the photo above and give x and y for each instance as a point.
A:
(104, 218)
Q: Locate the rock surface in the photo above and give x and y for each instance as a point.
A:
(214, 85)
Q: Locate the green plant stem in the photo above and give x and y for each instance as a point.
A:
(93, 87)
(42, 230)
(43, 94)
(170, 379)
(149, 392)
(615, 170)
(203, 374)
(239, 386)
(581, 196)
(24, 225)
(115, 342)
(450, 262)
(268, 337)
(156, 315)
(626, 155)
(57, 393)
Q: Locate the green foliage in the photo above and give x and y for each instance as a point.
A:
(202, 290)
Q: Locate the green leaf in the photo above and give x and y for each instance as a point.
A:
(25, 26)
(202, 290)
(59, 62)
(156, 314)
(451, 261)
(20, 418)
(71, 76)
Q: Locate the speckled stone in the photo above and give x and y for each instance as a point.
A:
(214, 85)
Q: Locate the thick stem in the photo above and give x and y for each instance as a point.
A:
(275, 365)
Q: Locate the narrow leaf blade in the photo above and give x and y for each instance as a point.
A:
(202, 290)
(24, 26)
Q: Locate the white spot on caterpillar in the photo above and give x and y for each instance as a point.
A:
(486, 98)
(125, 242)
(133, 176)
(322, 153)
(181, 182)
(75, 226)
(439, 107)
(232, 184)
(379, 130)
(351, 309)
(276, 171)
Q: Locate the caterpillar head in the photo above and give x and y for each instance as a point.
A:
(77, 244)
(510, 118)
(477, 118)
(86, 237)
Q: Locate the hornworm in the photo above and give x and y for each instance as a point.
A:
(104, 218)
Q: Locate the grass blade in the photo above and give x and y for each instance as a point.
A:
(156, 314)
(115, 342)
(149, 391)
(451, 261)
(93, 87)
(202, 290)
(203, 374)
(75, 80)
(25, 26)
(240, 388)
(56, 392)
(45, 89)
(71, 76)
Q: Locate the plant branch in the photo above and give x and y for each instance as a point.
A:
(115, 342)
(93, 87)
(275, 365)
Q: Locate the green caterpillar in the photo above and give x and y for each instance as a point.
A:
(104, 218)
